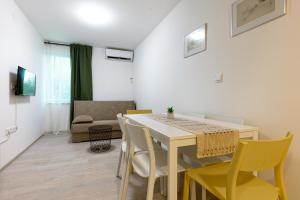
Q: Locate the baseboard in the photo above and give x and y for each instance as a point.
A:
(17, 156)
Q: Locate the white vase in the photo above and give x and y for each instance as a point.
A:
(170, 115)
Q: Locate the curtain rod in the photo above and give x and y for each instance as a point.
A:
(56, 43)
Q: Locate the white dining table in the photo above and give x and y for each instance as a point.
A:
(174, 138)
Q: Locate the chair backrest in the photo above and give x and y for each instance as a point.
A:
(191, 116)
(102, 110)
(121, 121)
(225, 118)
(253, 156)
(200, 115)
(261, 155)
(145, 111)
(140, 138)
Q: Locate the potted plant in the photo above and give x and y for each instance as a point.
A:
(170, 112)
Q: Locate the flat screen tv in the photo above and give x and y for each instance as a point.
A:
(26, 82)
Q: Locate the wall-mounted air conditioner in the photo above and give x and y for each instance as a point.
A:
(119, 55)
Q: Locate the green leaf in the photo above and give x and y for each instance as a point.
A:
(170, 109)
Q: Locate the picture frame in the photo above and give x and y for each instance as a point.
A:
(249, 14)
(196, 41)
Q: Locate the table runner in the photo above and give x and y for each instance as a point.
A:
(212, 140)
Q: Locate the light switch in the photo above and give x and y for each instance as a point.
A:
(218, 78)
(131, 80)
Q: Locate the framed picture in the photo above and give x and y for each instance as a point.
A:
(249, 14)
(195, 42)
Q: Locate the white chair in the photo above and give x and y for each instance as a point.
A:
(123, 144)
(123, 148)
(192, 115)
(148, 162)
(224, 118)
(189, 152)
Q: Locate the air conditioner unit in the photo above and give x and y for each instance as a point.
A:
(119, 55)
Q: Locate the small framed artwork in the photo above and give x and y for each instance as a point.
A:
(196, 41)
(249, 14)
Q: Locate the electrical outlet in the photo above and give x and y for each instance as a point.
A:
(3, 140)
(131, 80)
(7, 133)
(12, 87)
(11, 130)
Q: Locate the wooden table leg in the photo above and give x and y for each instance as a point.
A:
(172, 167)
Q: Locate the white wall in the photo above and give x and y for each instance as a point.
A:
(21, 45)
(111, 79)
(261, 72)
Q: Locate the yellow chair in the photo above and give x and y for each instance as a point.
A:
(133, 112)
(235, 180)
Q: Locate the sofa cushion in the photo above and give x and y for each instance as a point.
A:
(102, 110)
(84, 127)
(82, 119)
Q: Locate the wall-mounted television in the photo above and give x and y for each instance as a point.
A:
(26, 83)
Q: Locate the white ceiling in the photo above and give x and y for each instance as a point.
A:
(133, 20)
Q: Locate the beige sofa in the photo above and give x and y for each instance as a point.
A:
(102, 112)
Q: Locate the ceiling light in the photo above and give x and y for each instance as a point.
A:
(94, 14)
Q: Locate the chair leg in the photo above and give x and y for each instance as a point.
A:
(119, 164)
(131, 168)
(150, 189)
(165, 186)
(178, 182)
(280, 182)
(203, 193)
(193, 190)
(161, 182)
(186, 188)
(125, 180)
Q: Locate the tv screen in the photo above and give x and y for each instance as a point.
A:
(25, 83)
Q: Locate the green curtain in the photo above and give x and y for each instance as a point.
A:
(81, 74)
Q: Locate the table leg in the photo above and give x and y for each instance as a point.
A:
(255, 138)
(172, 167)
(193, 190)
(203, 193)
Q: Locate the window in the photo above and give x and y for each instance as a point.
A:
(57, 74)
